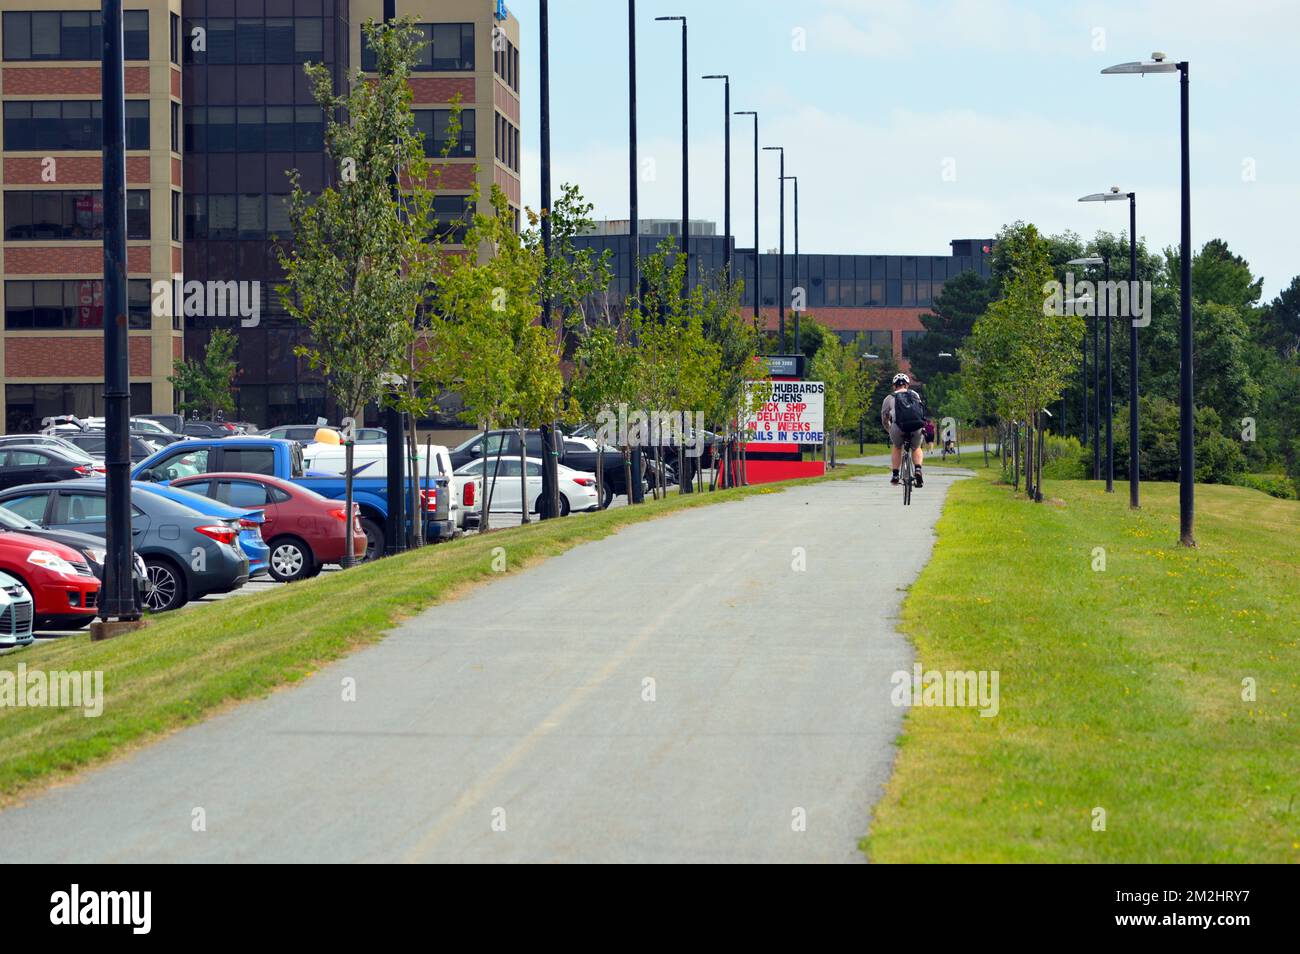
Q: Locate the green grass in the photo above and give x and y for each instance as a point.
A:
(1119, 689)
(185, 666)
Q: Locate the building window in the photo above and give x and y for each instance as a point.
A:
(453, 213)
(215, 129)
(71, 35)
(175, 23)
(252, 40)
(176, 127)
(880, 343)
(69, 214)
(176, 216)
(449, 47)
(27, 404)
(69, 125)
(434, 124)
(70, 303)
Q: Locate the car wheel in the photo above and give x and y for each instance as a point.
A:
(606, 495)
(564, 506)
(374, 539)
(165, 589)
(290, 560)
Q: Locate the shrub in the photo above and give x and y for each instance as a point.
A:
(1275, 485)
(1218, 458)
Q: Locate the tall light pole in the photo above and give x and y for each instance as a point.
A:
(683, 471)
(758, 258)
(1186, 410)
(1095, 306)
(780, 259)
(1134, 478)
(726, 162)
(636, 493)
(799, 310)
(686, 176)
(117, 601)
(550, 503)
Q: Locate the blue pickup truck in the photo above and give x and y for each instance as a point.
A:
(283, 459)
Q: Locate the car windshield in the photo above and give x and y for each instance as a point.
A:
(11, 521)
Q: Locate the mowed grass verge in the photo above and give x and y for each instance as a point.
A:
(186, 665)
(1121, 689)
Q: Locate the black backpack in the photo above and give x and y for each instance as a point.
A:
(909, 412)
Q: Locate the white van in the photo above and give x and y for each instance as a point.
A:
(371, 460)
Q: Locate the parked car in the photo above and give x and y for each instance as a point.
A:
(64, 591)
(91, 547)
(172, 422)
(209, 429)
(43, 440)
(283, 459)
(95, 443)
(28, 464)
(577, 489)
(304, 530)
(187, 554)
(247, 521)
(17, 613)
(371, 460)
(306, 433)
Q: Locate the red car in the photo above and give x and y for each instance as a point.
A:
(303, 529)
(64, 589)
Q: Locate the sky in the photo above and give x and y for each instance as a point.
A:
(913, 123)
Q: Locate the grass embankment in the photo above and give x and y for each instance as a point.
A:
(1120, 689)
(184, 666)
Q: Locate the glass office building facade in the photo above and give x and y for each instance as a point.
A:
(218, 111)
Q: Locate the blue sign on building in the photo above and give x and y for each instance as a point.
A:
(502, 13)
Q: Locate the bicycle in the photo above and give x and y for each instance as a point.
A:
(907, 472)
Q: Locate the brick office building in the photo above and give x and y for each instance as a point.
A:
(881, 296)
(217, 110)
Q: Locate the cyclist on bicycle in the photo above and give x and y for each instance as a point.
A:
(903, 416)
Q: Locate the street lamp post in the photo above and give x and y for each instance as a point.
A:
(1095, 300)
(758, 259)
(683, 471)
(636, 493)
(117, 601)
(726, 162)
(686, 172)
(798, 310)
(549, 505)
(1115, 195)
(780, 261)
(1186, 410)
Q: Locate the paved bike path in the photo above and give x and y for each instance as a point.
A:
(684, 690)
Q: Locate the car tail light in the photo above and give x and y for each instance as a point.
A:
(430, 500)
(219, 532)
(246, 524)
(584, 481)
(228, 427)
(86, 470)
(338, 513)
(467, 498)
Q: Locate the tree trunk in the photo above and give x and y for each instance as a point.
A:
(627, 472)
(488, 484)
(348, 559)
(1015, 456)
(523, 475)
(600, 471)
